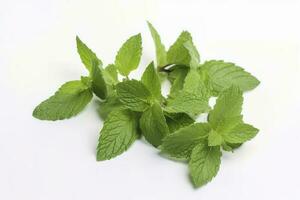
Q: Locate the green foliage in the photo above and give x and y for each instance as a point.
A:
(204, 163)
(68, 101)
(133, 108)
(119, 131)
(153, 125)
(134, 95)
(129, 55)
(161, 54)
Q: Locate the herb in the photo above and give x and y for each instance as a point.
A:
(134, 108)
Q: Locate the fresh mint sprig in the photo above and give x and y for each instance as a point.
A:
(136, 108)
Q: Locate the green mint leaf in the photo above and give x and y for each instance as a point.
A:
(221, 75)
(214, 138)
(67, 102)
(204, 163)
(177, 53)
(228, 105)
(176, 121)
(177, 77)
(86, 54)
(187, 102)
(161, 54)
(226, 118)
(119, 131)
(129, 55)
(194, 54)
(98, 83)
(240, 133)
(151, 80)
(153, 125)
(110, 74)
(134, 95)
(181, 143)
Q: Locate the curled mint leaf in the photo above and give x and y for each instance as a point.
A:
(98, 83)
(153, 125)
(151, 80)
(86, 54)
(161, 54)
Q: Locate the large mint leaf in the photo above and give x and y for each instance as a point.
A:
(161, 54)
(151, 80)
(87, 55)
(119, 131)
(134, 95)
(221, 75)
(129, 55)
(68, 101)
(204, 163)
(153, 125)
(181, 143)
(177, 53)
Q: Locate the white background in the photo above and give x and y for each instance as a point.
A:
(56, 160)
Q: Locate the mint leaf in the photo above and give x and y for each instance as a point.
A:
(240, 133)
(228, 105)
(186, 102)
(110, 74)
(151, 80)
(98, 83)
(86, 54)
(129, 55)
(67, 102)
(181, 143)
(134, 95)
(226, 119)
(153, 125)
(161, 54)
(204, 163)
(176, 121)
(119, 131)
(193, 52)
(177, 53)
(221, 75)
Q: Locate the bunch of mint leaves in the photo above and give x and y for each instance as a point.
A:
(134, 108)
